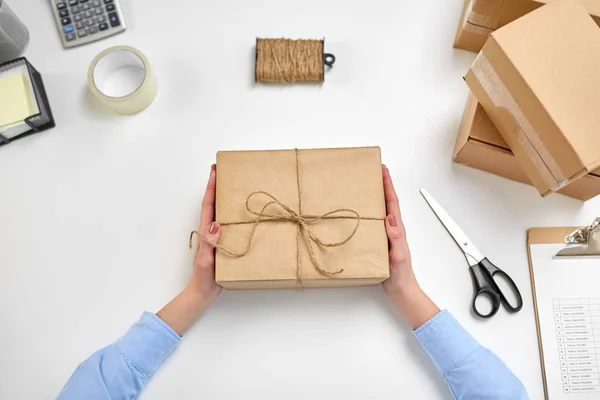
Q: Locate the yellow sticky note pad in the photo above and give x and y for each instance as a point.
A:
(16, 103)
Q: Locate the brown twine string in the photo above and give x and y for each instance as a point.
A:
(287, 60)
(302, 221)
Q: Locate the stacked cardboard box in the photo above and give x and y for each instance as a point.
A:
(482, 17)
(542, 96)
(480, 145)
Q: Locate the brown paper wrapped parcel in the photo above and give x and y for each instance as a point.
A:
(301, 218)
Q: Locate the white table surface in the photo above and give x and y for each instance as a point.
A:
(95, 214)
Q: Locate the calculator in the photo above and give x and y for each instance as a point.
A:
(84, 21)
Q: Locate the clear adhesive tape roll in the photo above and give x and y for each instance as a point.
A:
(122, 79)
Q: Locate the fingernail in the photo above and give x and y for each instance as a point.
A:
(392, 220)
(213, 167)
(213, 229)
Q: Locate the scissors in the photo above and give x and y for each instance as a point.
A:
(483, 272)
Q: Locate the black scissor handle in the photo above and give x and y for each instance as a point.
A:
(492, 271)
(484, 288)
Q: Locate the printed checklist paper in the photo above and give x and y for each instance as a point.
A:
(568, 303)
(577, 325)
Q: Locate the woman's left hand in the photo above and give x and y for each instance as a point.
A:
(203, 278)
(202, 289)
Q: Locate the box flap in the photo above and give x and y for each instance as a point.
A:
(485, 131)
(466, 124)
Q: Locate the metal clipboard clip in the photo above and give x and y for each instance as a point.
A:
(587, 238)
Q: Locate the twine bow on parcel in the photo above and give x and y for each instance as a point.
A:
(303, 222)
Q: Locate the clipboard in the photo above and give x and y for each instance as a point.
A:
(588, 239)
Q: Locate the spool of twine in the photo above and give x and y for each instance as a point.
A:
(287, 60)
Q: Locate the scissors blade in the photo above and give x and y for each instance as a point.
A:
(471, 253)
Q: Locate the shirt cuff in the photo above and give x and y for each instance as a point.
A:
(147, 343)
(446, 341)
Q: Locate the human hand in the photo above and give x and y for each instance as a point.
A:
(202, 290)
(402, 285)
(203, 276)
(402, 277)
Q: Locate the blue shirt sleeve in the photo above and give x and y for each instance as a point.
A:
(470, 370)
(120, 370)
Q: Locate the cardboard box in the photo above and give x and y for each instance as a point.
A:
(328, 189)
(481, 17)
(469, 35)
(479, 145)
(543, 93)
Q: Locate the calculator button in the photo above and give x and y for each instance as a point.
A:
(73, 2)
(66, 21)
(81, 33)
(92, 30)
(90, 22)
(103, 26)
(80, 24)
(88, 14)
(96, 3)
(99, 11)
(75, 9)
(78, 17)
(114, 19)
(68, 28)
(61, 5)
(83, 1)
(64, 13)
(108, 1)
(71, 36)
(100, 19)
(86, 6)
(110, 7)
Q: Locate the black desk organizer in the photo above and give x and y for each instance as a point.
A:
(38, 122)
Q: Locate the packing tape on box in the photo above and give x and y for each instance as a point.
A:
(475, 23)
(123, 80)
(483, 20)
(473, 18)
(476, 29)
(526, 135)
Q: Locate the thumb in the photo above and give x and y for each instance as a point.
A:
(212, 234)
(206, 251)
(394, 229)
(397, 237)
